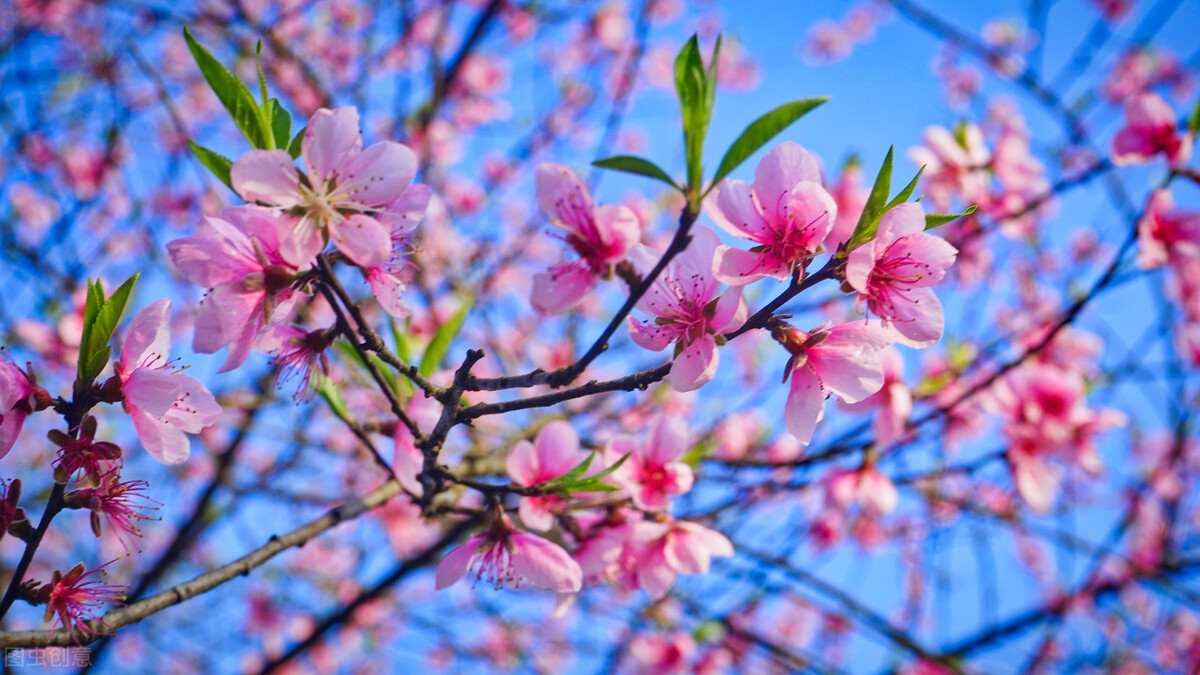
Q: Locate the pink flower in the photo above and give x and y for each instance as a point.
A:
(554, 452)
(953, 166)
(893, 402)
(1150, 128)
(387, 283)
(653, 472)
(843, 360)
(670, 549)
(17, 394)
(871, 490)
(73, 598)
(1165, 232)
(299, 355)
(347, 193)
(786, 213)
(83, 453)
(251, 284)
(687, 310)
(164, 402)
(602, 236)
(893, 273)
(121, 504)
(662, 654)
(1045, 416)
(503, 555)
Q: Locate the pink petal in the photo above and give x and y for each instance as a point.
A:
(557, 449)
(378, 176)
(364, 240)
(876, 493)
(1036, 481)
(407, 462)
(545, 564)
(859, 265)
(780, 170)
(561, 288)
(10, 428)
(151, 390)
(195, 408)
(922, 257)
(388, 290)
(736, 267)
(209, 261)
(902, 219)
(805, 405)
(649, 335)
(522, 464)
(732, 207)
(1132, 146)
(561, 194)
(454, 565)
(695, 365)
(267, 176)
(812, 211)
(731, 311)
(669, 440)
(535, 513)
(300, 240)
(224, 315)
(619, 229)
(654, 575)
(148, 338)
(331, 139)
(685, 554)
(163, 441)
(919, 321)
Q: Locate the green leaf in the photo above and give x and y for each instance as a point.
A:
(906, 192)
(281, 124)
(933, 220)
(232, 93)
(876, 204)
(101, 317)
(440, 344)
(219, 165)
(698, 454)
(262, 79)
(294, 148)
(636, 165)
(573, 475)
(761, 131)
(333, 398)
(1194, 121)
(95, 299)
(691, 83)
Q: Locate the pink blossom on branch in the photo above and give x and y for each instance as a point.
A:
(17, 400)
(786, 213)
(653, 473)
(893, 274)
(553, 452)
(347, 193)
(842, 360)
(73, 598)
(687, 310)
(503, 555)
(238, 258)
(667, 550)
(602, 236)
(1150, 128)
(164, 402)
